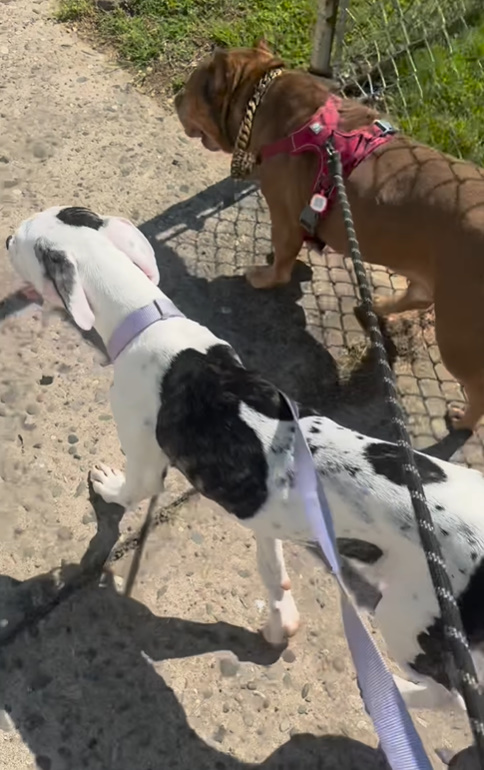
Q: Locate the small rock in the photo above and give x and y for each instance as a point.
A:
(219, 734)
(207, 693)
(287, 680)
(284, 726)
(64, 533)
(81, 488)
(226, 708)
(161, 592)
(305, 690)
(32, 409)
(244, 573)
(252, 685)
(197, 538)
(105, 417)
(72, 438)
(56, 490)
(39, 151)
(339, 665)
(46, 379)
(229, 666)
(288, 656)
(302, 710)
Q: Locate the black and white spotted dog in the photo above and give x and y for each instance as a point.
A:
(182, 397)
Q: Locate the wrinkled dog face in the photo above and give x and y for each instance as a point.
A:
(48, 250)
(204, 104)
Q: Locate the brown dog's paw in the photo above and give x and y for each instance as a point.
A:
(457, 418)
(265, 277)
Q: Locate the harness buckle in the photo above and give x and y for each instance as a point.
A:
(385, 127)
(310, 214)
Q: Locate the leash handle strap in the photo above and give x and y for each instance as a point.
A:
(398, 737)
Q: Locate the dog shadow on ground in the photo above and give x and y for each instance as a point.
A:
(266, 328)
(80, 686)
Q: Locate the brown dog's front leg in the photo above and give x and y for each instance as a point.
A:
(287, 240)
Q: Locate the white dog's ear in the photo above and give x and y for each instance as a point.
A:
(128, 239)
(62, 284)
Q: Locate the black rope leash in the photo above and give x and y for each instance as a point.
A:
(138, 554)
(460, 658)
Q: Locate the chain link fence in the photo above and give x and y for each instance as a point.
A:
(421, 61)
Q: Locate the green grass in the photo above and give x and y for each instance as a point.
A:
(451, 113)
(169, 36)
(177, 31)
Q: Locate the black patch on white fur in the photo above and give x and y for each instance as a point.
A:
(78, 216)
(386, 460)
(364, 552)
(202, 433)
(471, 606)
(57, 269)
(431, 662)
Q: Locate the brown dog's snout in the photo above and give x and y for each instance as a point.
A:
(7, 242)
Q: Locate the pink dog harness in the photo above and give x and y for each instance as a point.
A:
(353, 147)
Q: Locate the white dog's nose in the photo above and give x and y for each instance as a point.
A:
(7, 242)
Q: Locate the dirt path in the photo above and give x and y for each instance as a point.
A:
(176, 677)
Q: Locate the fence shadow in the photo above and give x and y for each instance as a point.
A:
(267, 328)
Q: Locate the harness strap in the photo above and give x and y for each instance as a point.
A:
(306, 138)
(354, 147)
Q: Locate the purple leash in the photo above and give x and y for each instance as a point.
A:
(399, 739)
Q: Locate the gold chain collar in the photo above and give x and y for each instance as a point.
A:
(243, 161)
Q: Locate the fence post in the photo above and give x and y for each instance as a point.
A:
(323, 38)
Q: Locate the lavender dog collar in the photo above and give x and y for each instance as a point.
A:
(138, 321)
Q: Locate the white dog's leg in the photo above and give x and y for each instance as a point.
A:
(145, 476)
(284, 617)
(431, 695)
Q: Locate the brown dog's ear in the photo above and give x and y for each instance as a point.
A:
(261, 45)
(219, 71)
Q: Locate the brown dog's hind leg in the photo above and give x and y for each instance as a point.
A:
(417, 297)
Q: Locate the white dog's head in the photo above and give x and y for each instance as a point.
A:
(46, 249)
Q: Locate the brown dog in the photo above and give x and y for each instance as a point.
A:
(417, 211)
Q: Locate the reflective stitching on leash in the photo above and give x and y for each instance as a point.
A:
(460, 658)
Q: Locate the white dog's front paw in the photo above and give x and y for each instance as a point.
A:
(283, 621)
(108, 483)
